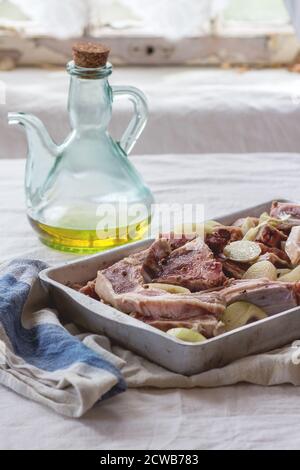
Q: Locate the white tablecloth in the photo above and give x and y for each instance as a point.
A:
(242, 416)
(192, 110)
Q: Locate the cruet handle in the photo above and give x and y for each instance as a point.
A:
(139, 120)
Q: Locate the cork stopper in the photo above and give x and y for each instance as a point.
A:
(90, 55)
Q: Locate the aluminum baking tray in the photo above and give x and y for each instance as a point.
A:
(171, 353)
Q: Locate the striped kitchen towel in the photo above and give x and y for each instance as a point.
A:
(39, 358)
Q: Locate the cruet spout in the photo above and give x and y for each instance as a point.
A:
(42, 156)
(39, 140)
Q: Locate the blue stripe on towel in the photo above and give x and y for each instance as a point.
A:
(46, 346)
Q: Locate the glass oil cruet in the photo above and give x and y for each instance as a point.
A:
(85, 195)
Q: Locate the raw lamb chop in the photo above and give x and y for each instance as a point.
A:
(192, 266)
(272, 296)
(156, 303)
(123, 284)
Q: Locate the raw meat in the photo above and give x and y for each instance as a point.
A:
(292, 246)
(192, 266)
(221, 236)
(272, 296)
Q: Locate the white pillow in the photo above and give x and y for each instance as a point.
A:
(113, 13)
(159, 17)
(58, 18)
(70, 18)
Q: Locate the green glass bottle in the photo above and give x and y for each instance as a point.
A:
(85, 195)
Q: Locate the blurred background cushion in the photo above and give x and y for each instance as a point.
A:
(192, 110)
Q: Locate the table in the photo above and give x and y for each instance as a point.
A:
(238, 417)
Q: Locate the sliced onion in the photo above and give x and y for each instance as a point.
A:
(172, 289)
(243, 251)
(261, 269)
(240, 313)
(292, 276)
(185, 334)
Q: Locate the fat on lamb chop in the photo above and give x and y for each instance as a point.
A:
(123, 286)
(159, 304)
(272, 296)
(208, 325)
(156, 303)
